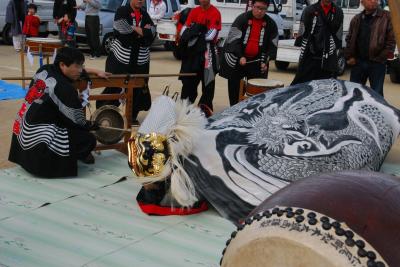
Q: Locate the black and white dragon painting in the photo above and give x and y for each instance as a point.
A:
(251, 150)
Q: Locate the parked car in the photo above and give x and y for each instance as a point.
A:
(107, 13)
(45, 12)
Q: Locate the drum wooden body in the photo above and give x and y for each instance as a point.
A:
(257, 86)
(46, 45)
(339, 219)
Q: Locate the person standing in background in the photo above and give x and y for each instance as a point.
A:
(369, 43)
(62, 7)
(199, 37)
(68, 28)
(252, 41)
(32, 22)
(134, 33)
(320, 38)
(92, 25)
(15, 16)
(157, 10)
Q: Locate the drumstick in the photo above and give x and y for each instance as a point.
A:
(116, 129)
(116, 76)
(252, 61)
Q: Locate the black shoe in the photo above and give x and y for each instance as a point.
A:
(89, 159)
(135, 123)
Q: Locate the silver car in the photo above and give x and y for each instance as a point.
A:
(106, 15)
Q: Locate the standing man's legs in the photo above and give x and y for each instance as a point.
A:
(189, 88)
(251, 71)
(92, 28)
(376, 73)
(234, 84)
(310, 69)
(305, 70)
(233, 89)
(207, 95)
(359, 72)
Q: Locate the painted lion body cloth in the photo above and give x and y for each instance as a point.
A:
(249, 151)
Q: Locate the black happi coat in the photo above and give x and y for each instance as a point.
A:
(130, 54)
(236, 42)
(192, 46)
(320, 35)
(41, 141)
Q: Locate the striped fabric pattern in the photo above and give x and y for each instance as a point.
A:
(54, 137)
(231, 59)
(76, 115)
(121, 53)
(123, 26)
(143, 55)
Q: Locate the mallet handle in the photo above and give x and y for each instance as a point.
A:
(116, 129)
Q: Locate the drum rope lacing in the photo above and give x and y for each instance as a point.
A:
(299, 216)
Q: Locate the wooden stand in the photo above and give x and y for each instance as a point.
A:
(129, 84)
(44, 49)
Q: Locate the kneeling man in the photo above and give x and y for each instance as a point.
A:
(51, 132)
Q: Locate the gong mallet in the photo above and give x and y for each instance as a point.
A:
(115, 129)
(252, 61)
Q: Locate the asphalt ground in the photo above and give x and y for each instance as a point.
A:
(162, 62)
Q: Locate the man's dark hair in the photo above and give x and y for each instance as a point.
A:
(33, 6)
(261, 1)
(68, 56)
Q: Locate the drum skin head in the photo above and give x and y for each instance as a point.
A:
(268, 83)
(368, 202)
(295, 237)
(257, 86)
(109, 116)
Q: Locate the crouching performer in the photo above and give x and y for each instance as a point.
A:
(241, 156)
(50, 132)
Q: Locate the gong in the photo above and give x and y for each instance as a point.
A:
(109, 117)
